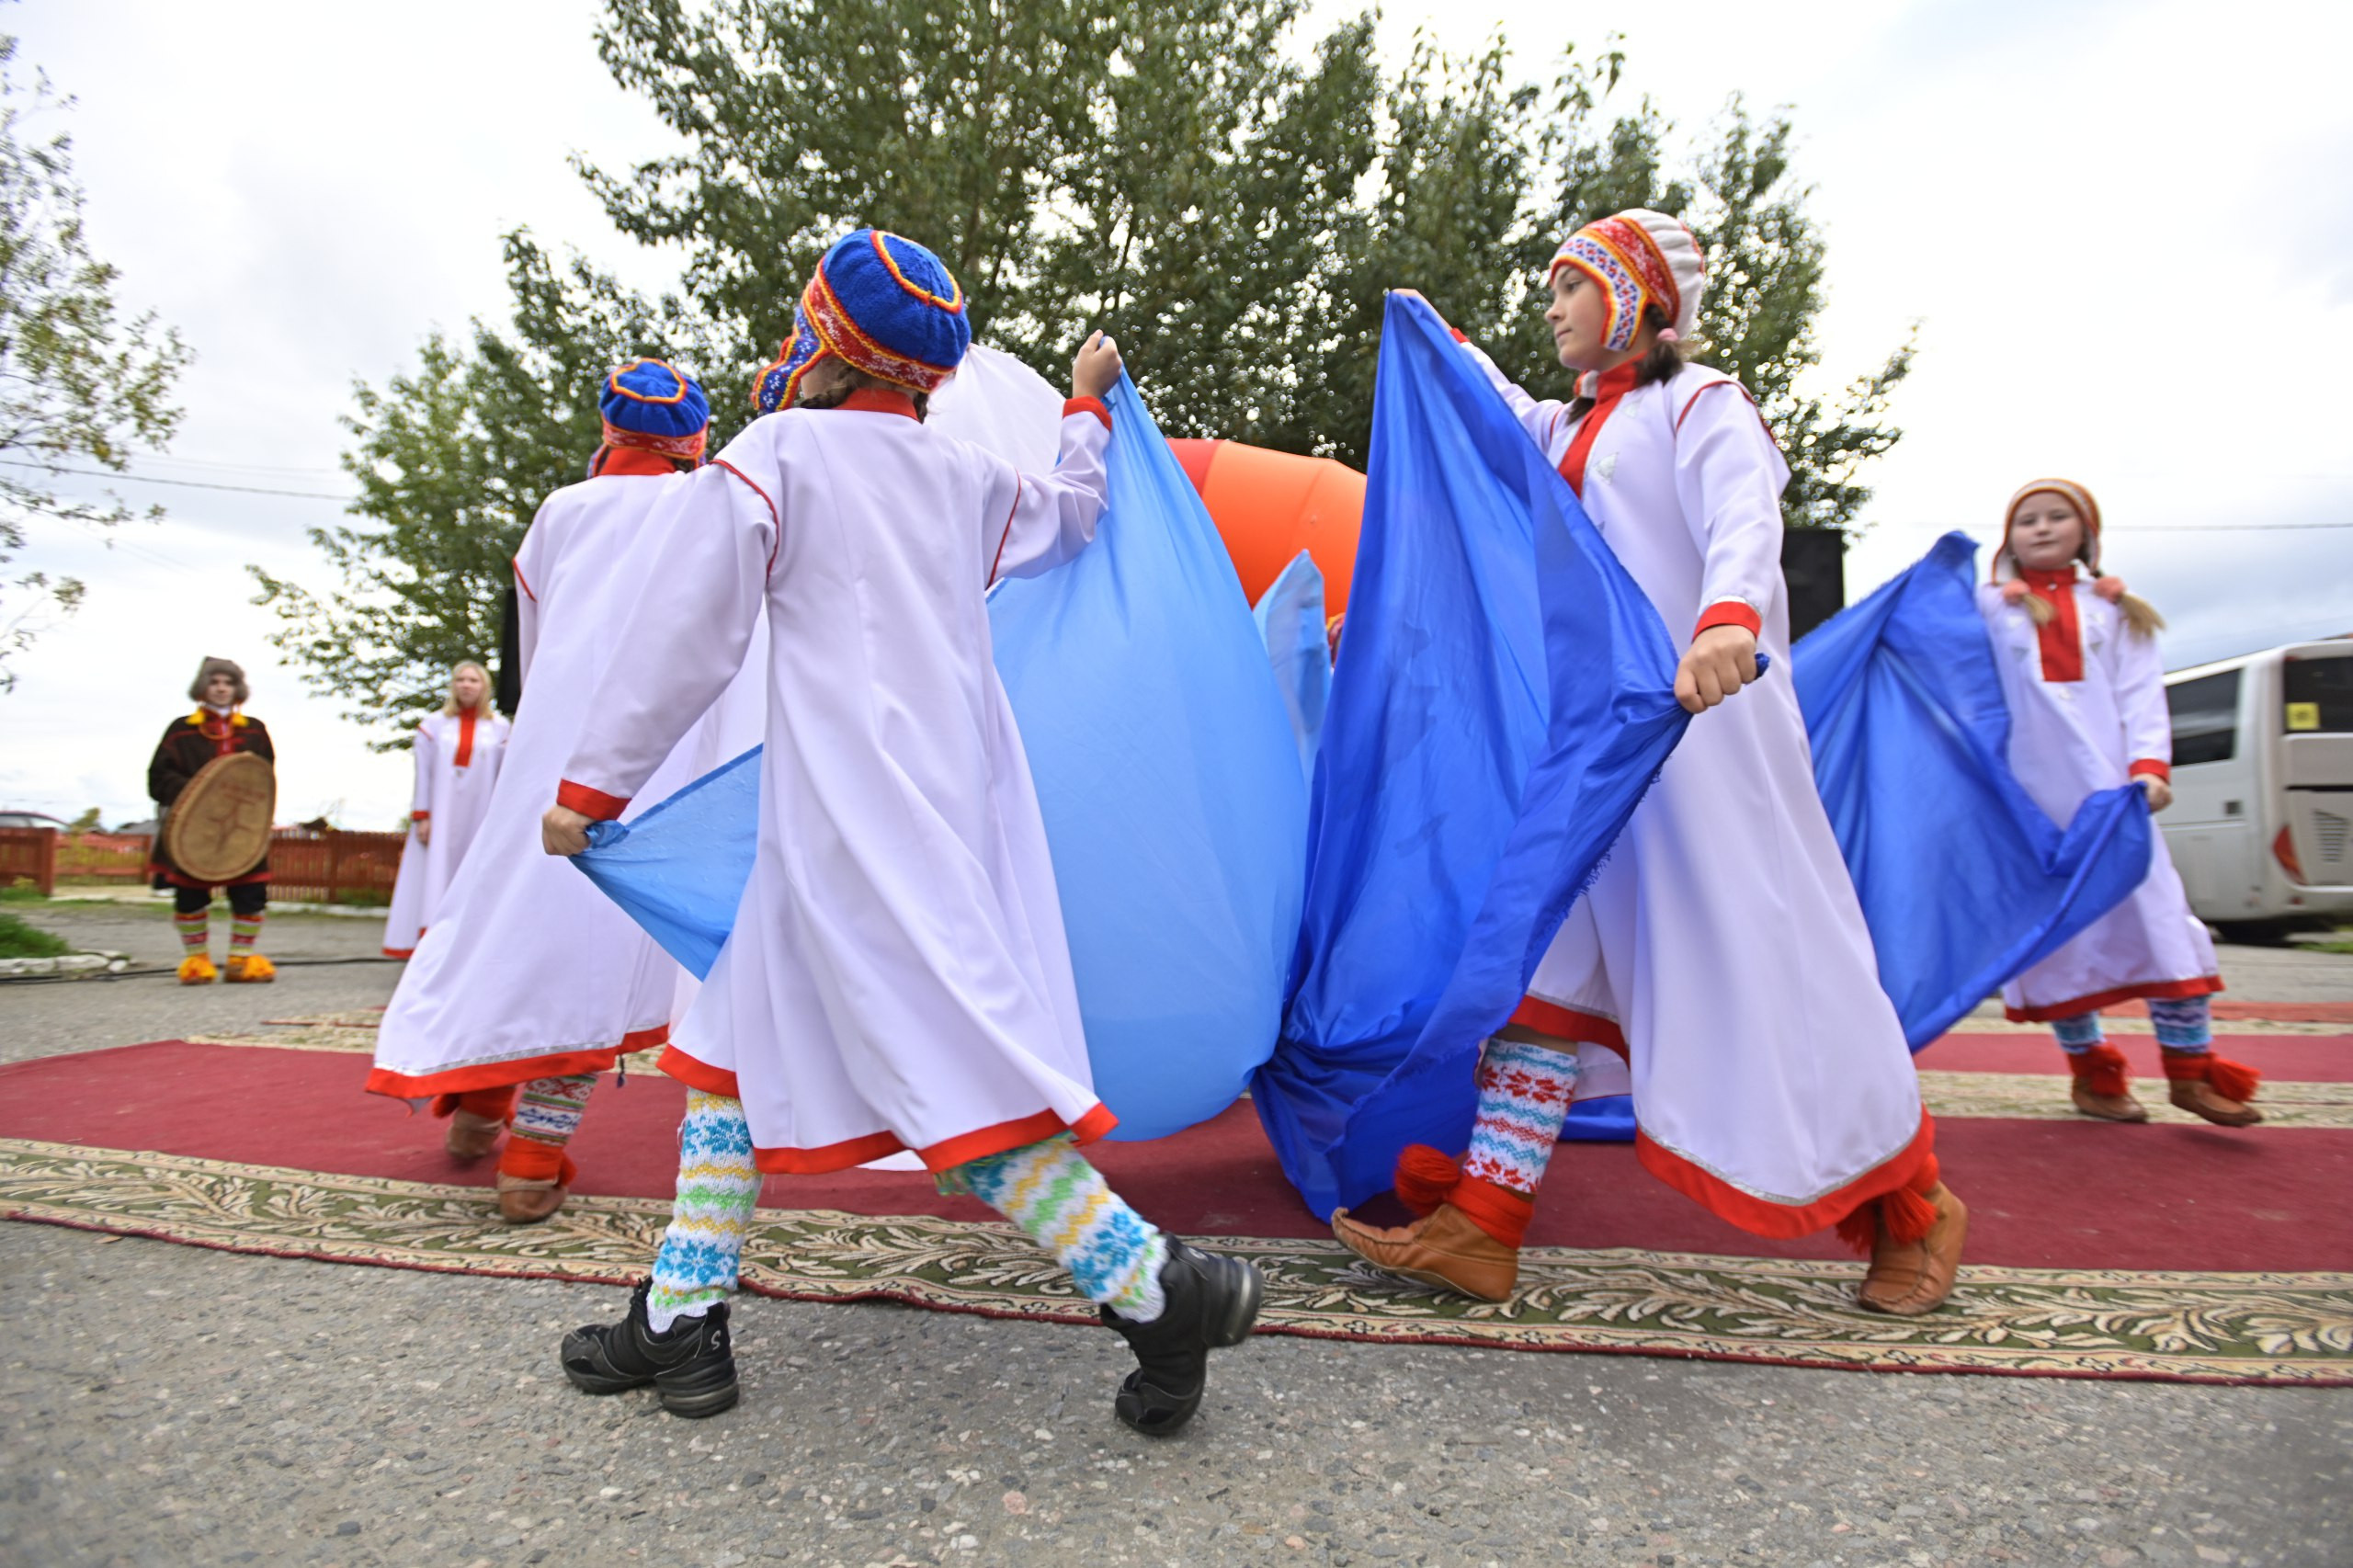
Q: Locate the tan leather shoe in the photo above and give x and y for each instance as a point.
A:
(2107, 1107)
(1909, 1278)
(1443, 1248)
(522, 1202)
(471, 1136)
(2199, 1097)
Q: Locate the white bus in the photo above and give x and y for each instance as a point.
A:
(2262, 825)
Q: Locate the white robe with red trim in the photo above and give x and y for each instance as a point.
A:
(1722, 941)
(456, 765)
(528, 970)
(898, 977)
(2068, 739)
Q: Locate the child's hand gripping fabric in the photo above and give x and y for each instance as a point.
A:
(1720, 661)
(2160, 792)
(564, 831)
(1097, 369)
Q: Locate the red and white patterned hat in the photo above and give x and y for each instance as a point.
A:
(1638, 258)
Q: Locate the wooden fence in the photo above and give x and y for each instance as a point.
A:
(326, 868)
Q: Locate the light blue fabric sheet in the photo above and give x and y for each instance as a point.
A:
(1290, 616)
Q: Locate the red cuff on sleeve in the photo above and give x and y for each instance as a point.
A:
(2150, 768)
(590, 802)
(1093, 405)
(420, 816)
(1730, 612)
(1460, 335)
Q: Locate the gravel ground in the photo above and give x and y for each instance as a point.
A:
(164, 1404)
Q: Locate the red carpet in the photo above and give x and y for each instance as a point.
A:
(2042, 1194)
(2294, 1057)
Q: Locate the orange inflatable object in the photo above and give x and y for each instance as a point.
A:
(1270, 506)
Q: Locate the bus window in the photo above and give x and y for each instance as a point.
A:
(2318, 694)
(2205, 718)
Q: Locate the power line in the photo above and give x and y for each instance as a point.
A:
(183, 484)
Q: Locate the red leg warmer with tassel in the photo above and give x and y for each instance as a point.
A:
(1427, 1178)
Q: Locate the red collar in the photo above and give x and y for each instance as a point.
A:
(878, 400)
(1616, 382)
(630, 461)
(2048, 582)
(1609, 387)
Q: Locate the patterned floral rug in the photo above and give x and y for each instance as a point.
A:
(2238, 1328)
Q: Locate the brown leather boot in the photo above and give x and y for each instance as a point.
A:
(1909, 1278)
(2204, 1085)
(2102, 1088)
(523, 1201)
(1445, 1248)
(471, 1136)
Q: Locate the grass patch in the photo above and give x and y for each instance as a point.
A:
(22, 890)
(19, 940)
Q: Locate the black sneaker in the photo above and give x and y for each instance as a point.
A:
(692, 1366)
(1212, 1302)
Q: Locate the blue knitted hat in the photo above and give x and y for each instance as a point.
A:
(649, 406)
(882, 304)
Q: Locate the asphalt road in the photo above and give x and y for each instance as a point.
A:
(169, 1405)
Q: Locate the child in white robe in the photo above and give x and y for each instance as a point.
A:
(456, 752)
(2086, 688)
(529, 981)
(898, 977)
(1720, 951)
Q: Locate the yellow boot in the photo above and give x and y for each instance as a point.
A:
(196, 970)
(251, 968)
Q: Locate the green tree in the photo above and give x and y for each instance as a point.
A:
(1176, 174)
(79, 385)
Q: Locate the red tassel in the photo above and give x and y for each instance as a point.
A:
(1908, 1215)
(2232, 1080)
(2102, 1070)
(1859, 1229)
(1426, 1178)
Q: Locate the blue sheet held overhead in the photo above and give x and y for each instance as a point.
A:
(678, 868)
(1503, 695)
(1291, 619)
(1169, 781)
(1963, 881)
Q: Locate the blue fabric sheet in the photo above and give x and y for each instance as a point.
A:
(1963, 881)
(678, 868)
(1503, 695)
(1169, 781)
(1290, 616)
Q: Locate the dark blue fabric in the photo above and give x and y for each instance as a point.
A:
(653, 399)
(678, 869)
(1503, 697)
(1169, 781)
(1964, 881)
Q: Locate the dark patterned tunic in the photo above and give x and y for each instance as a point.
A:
(188, 743)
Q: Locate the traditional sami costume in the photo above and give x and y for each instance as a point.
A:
(456, 765)
(1720, 960)
(189, 744)
(527, 976)
(2088, 707)
(897, 978)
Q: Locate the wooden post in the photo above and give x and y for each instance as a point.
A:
(45, 874)
(334, 864)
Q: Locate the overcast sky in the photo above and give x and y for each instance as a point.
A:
(2126, 228)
